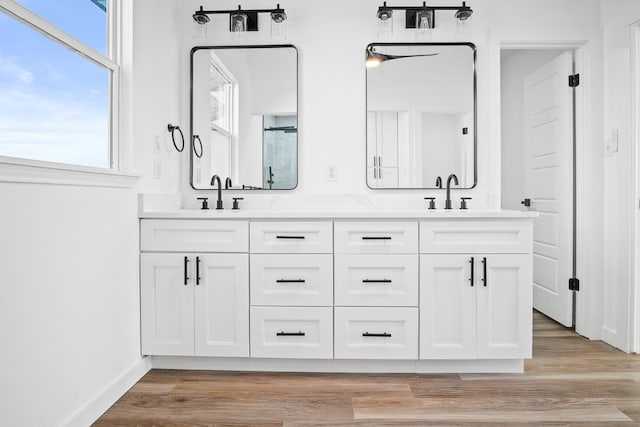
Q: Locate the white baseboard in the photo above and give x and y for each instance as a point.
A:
(342, 366)
(98, 404)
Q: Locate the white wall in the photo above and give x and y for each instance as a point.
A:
(69, 304)
(514, 67)
(621, 195)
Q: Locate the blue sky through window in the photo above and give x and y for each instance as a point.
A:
(54, 103)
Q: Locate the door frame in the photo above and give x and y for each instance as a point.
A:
(589, 170)
(635, 132)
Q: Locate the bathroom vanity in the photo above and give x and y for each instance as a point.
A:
(378, 291)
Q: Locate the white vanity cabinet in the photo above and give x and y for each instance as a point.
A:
(291, 277)
(424, 292)
(194, 297)
(475, 290)
(376, 289)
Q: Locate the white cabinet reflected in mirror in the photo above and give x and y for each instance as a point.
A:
(244, 116)
(421, 114)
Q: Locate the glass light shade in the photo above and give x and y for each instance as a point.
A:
(463, 28)
(199, 32)
(278, 29)
(238, 25)
(424, 23)
(385, 27)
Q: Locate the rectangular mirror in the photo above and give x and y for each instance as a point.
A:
(421, 114)
(244, 116)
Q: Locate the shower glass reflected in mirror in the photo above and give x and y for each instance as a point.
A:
(244, 109)
(421, 114)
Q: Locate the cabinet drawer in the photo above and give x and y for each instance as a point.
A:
(293, 280)
(476, 237)
(376, 237)
(167, 235)
(292, 332)
(376, 333)
(292, 237)
(376, 280)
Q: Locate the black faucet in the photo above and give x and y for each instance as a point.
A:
(439, 182)
(447, 203)
(216, 179)
(227, 183)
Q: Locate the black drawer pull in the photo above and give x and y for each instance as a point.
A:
(471, 279)
(376, 334)
(484, 271)
(186, 270)
(376, 280)
(290, 334)
(290, 237)
(198, 270)
(376, 237)
(290, 281)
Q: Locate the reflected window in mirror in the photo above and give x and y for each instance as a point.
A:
(421, 114)
(244, 110)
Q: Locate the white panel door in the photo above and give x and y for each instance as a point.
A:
(166, 288)
(549, 184)
(503, 286)
(447, 307)
(221, 284)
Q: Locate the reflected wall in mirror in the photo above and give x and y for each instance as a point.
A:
(244, 116)
(421, 114)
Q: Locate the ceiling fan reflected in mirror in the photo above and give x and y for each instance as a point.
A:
(374, 58)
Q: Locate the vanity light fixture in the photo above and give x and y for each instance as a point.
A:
(243, 20)
(423, 17)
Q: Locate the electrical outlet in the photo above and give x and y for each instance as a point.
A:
(157, 148)
(332, 173)
(612, 143)
(157, 169)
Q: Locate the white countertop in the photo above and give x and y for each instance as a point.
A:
(338, 214)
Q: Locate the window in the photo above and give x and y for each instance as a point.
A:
(57, 82)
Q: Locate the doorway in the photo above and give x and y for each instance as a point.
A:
(538, 164)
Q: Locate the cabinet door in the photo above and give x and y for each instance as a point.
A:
(504, 306)
(447, 307)
(221, 305)
(166, 291)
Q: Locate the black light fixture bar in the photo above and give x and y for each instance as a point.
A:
(462, 12)
(202, 16)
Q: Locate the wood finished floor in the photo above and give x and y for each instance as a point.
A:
(570, 381)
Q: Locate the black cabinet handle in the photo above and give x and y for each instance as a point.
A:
(484, 271)
(376, 237)
(290, 237)
(290, 334)
(186, 270)
(290, 281)
(376, 334)
(471, 261)
(376, 280)
(197, 270)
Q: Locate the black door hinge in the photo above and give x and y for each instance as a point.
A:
(574, 284)
(574, 80)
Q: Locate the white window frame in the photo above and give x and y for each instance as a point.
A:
(232, 112)
(14, 169)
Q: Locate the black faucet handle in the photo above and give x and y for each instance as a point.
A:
(463, 202)
(235, 202)
(432, 202)
(205, 203)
